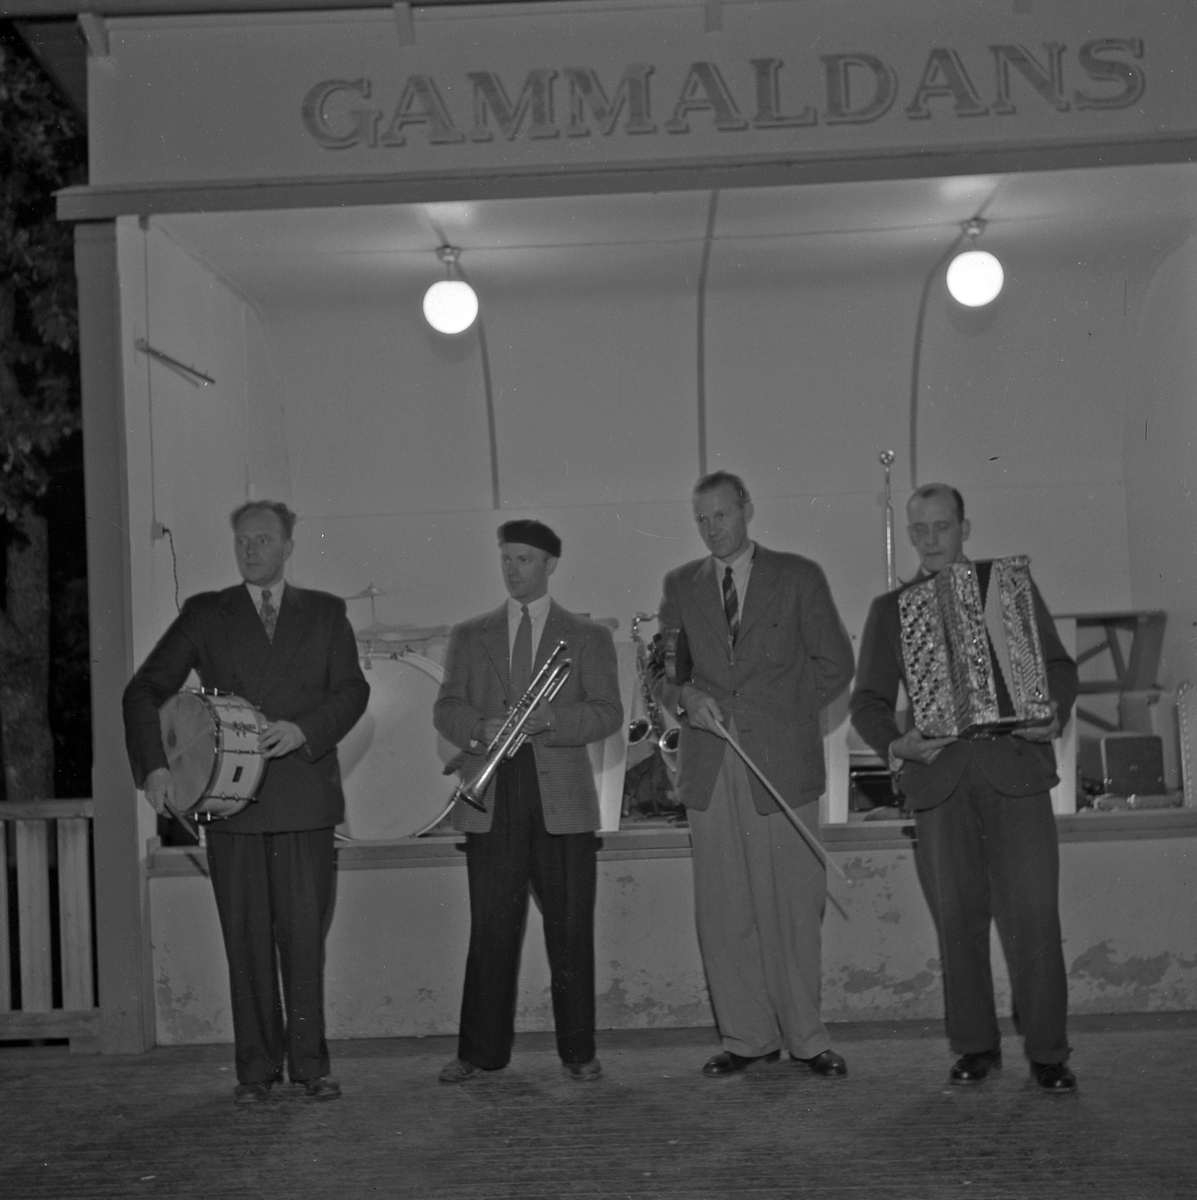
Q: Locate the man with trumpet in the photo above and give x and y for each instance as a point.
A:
(769, 652)
(533, 823)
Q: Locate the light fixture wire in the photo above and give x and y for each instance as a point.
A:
(701, 334)
(971, 228)
(450, 255)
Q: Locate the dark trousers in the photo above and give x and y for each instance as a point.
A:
(561, 869)
(983, 857)
(274, 893)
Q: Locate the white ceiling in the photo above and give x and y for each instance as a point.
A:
(270, 256)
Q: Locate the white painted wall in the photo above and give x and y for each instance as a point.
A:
(809, 352)
(1160, 445)
(194, 452)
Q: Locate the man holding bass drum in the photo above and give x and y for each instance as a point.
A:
(291, 654)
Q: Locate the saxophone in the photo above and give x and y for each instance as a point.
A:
(654, 722)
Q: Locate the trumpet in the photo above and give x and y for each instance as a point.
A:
(654, 723)
(511, 736)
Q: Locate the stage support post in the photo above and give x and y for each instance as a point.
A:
(121, 906)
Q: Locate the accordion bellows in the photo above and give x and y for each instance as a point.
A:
(970, 644)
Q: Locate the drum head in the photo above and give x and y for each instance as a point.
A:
(189, 739)
(392, 759)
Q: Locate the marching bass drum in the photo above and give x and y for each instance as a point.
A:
(211, 744)
(392, 761)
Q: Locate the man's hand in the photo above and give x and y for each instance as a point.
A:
(487, 730)
(279, 738)
(701, 709)
(913, 747)
(160, 790)
(1041, 733)
(540, 720)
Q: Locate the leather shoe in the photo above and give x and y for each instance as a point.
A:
(828, 1064)
(728, 1063)
(1054, 1077)
(458, 1071)
(324, 1088)
(973, 1068)
(251, 1093)
(583, 1072)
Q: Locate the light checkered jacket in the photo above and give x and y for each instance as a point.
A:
(587, 709)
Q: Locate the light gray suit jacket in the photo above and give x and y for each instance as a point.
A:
(477, 685)
(792, 658)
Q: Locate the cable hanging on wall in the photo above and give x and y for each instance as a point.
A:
(456, 301)
(701, 332)
(970, 230)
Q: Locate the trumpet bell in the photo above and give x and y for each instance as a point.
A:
(638, 730)
(671, 739)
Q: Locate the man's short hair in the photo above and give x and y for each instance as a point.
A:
(286, 517)
(941, 489)
(708, 483)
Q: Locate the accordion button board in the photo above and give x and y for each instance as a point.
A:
(971, 649)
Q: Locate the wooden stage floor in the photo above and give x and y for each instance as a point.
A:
(163, 1124)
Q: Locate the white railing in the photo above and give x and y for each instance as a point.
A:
(26, 831)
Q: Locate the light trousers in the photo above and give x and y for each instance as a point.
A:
(759, 895)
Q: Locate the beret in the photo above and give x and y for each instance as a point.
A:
(531, 533)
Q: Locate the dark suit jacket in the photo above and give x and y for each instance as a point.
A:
(309, 674)
(1013, 765)
(477, 685)
(791, 659)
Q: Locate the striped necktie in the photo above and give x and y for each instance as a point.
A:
(731, 605)
(268, 613)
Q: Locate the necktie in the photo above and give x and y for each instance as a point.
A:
(521, 657)
(268, 613)
(731, 605)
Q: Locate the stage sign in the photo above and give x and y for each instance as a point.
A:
(569, 87)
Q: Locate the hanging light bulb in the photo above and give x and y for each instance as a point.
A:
(450, 305)
(975, 277)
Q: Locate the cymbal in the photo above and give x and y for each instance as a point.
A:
(366, 592)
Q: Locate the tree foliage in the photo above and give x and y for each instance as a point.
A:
(41, 150)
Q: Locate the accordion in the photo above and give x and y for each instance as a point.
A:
(971, 649)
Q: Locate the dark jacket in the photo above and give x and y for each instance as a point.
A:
(309, 674)
(1013, 765)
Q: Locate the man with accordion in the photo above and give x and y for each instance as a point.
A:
(990, 685)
